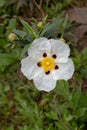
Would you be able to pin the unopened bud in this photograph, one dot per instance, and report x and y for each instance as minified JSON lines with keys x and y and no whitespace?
{"x":62,"y":39}
{"x":40,"y":24}
{"x":12,"y":37}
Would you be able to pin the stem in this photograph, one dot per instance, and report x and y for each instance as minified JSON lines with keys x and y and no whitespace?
{"x":47,"y":2}
{"x":41,"y":2}
{"x":39,"y":7}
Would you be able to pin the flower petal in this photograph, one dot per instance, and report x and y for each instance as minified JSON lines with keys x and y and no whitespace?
{"x":29,"y":68}
{"x":65,"y":71}
{"x":62,"y":60}
{"x":38,"y":47}
{"x":45,"y":83}
{"x":59,"y":48}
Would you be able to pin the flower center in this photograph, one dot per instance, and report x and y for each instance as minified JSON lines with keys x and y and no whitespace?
{"x":48,"y":63}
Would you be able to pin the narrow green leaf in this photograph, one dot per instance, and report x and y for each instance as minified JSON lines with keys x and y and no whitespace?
{"x":75,"y":98}
{"x":28,"y":28}
{"x":81,"y":111}
{"x":23,"y":35}
{"x":50,"y":28}
{"x":24,"y":50}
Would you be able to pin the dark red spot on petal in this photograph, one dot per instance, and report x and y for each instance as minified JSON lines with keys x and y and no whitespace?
{"x":56,"y":67}
{"x":44,"y":55}
{"x":48,"y":72}
{"x":39,"y":64}
{"x":54,"y":56}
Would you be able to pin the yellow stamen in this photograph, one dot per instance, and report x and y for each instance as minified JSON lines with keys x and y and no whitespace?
{"x":48,"y":63}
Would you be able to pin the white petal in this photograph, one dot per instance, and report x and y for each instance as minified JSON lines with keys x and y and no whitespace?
{"x":62,"y":60}
{"x":65,"y":71}
{"x":45,"y":83}
{"x":29,"y":68}
{"x":41,"y":43}
{"x":59,"y":48}
{"x":38,"y":47}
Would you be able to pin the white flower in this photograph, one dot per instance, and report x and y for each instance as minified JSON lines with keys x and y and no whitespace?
{"x":47,"y":61}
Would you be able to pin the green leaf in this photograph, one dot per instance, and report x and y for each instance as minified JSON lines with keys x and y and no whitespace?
{"x":23,"y":35}
{"x":2,"y":2}
{"x":28,"y":28}
{"x":84,"y":52}
{"x":81,"y":111}
{"x":69,"y":118}
{"x":83,"y":100}
{"x":50,"y":28}
{"x":3,"y":43}
{"x":19,"y":33}
{"x":7,"y":59}
{"x":2,"y":68}
{"x":75,"y":98}
{"x":24,"y":50}
{"x":52,"y":115}
{"x":6,"y":88}
{"x":65,"y":22}
{"x":12,"y":23}
{"x":62,"y":88}
{"x":60,"y":124}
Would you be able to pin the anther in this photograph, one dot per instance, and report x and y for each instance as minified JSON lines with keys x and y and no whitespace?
{"x":54,"y":56}
{"x":48,"y":72}
{"x":56,"y":67}
{"x":39,"y":64}
{"x":44,"y":55}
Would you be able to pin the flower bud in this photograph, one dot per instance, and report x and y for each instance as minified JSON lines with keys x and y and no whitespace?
{"x":62,"y":39}
{"x":40,"y":24}
{"x":12,"y":37}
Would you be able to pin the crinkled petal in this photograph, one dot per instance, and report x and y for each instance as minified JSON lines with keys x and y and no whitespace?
{"x":38,"y":47}
{"x":41,"y":44}
{"x":45,"y":83}
{"x":59,"y":48}
{"x":29,"y":68}
{"x":65,"y":71}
